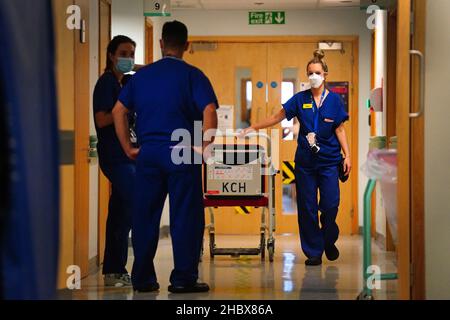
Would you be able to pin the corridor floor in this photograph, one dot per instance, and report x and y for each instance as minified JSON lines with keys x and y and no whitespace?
{"x":247,"y":278}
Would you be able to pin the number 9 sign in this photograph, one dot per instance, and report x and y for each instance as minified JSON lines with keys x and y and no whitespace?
{"x":157,"y":8}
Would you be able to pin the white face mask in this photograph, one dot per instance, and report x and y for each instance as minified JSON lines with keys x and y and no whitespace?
{"x":316,"y":80}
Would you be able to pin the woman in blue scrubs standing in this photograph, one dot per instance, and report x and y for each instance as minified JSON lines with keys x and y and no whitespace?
{"x":114,"y":163}
{"x":322,"y":137}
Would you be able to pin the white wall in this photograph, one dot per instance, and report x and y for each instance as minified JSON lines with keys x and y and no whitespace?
{"x":93,"y":167}
{"x":127,"y":17}
{"x":380,"y":82}
{"x":437,"y":151}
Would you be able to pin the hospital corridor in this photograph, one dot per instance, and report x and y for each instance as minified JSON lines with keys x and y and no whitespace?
{"x":248,"y":155}
{"x":247,"y":278}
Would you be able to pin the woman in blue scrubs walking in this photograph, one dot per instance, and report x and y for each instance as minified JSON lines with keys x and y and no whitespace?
{"x":114,"y":163}
{"x":322,"y":137}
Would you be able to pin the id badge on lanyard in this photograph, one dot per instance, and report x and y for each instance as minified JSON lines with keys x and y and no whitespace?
{"x":312,"y":136}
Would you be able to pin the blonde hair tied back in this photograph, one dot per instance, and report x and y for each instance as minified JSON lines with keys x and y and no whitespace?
{"x":318,"y":59}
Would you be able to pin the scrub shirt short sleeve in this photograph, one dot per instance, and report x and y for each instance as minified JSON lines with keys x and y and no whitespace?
{"x":202,"y":90}
{"x":341,"y":115}
{"x":105,"y":94}
{"x":290,"y":108}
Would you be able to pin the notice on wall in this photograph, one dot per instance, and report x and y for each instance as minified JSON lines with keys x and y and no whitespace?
{"x":225,"y":115}
{"x":304,"y":86}
{"x":342,"y":89}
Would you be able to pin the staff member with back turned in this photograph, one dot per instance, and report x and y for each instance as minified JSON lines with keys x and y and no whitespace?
{"x":166,"y":96}
{"x":321,"y":115}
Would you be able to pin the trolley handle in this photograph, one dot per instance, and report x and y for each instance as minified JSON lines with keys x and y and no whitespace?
{"x":248,"y":136}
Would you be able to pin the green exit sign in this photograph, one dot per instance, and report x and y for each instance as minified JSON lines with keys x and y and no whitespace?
{"x":268,"y":17}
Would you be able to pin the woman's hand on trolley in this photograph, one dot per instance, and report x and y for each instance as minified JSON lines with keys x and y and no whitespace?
{"x":245,"y":132}
{"x":267,"y":123}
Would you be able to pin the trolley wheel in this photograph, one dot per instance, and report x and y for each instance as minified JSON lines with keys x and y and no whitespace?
{"x":212,"y":245}
{"x":271,"y":249}
{"x":263,"y":246}
{"x":364,"y":296}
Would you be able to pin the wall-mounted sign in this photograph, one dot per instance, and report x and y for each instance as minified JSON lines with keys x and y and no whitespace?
{"x":304,"y":86}
{"x":225,"y":115}
{"x":342,"y":89}
{"x":268,"y":17}
{"x":157,"y":8}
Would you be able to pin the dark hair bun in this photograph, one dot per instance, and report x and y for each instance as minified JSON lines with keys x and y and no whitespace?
{"x":319,"y":54}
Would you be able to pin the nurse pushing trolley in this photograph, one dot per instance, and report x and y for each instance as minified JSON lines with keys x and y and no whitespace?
{"x":319,"y":163}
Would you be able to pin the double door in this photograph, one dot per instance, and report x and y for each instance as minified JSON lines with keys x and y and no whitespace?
{"x":254,"y":79}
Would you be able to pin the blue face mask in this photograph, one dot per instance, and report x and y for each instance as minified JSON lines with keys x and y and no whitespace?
{"x":125,"y":65}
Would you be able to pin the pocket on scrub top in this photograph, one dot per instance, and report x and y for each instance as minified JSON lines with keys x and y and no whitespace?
{"x":326,"y":127}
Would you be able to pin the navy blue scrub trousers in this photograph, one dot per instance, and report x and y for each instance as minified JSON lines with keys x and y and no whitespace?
{"x":118,"y":225}
{"x":157,"y":176}
{"x":316,"y":238}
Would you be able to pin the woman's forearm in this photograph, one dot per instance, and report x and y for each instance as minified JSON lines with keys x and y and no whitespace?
{"x":210,"y":123}
{"x":121,"y":126}
{"x":104,"y":119}
{"x":270,"y":122}
{"x":342,"y":137}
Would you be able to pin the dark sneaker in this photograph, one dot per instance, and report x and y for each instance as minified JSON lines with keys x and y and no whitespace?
{"x":198,"y":287}
{"x":315,"y":261}
{"x":151,"y":288}
{"x":117,"y":280}
{"x":332,"y":253}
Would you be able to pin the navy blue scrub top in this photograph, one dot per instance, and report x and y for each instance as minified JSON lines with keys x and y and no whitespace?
{"x":167,"y":95}
{"x":106,"y":93}
{"x":331,"y":115}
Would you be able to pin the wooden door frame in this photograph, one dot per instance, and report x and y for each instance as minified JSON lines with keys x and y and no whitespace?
{"x":418,"y":161}
{"x":64,"y":49}
{"x":355,"y":102}
{"x":101,"y":65}
{"x":391,"y":94}
{"x":403,"y":132}
{"x":410,"y":132}
{"x":149,"y":42}
{"x":82,"y":102}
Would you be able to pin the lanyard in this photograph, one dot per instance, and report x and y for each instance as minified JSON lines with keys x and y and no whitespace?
{"x":316,"y":109}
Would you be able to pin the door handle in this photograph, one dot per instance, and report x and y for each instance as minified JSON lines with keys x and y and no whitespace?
{"x":422,"y":84}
